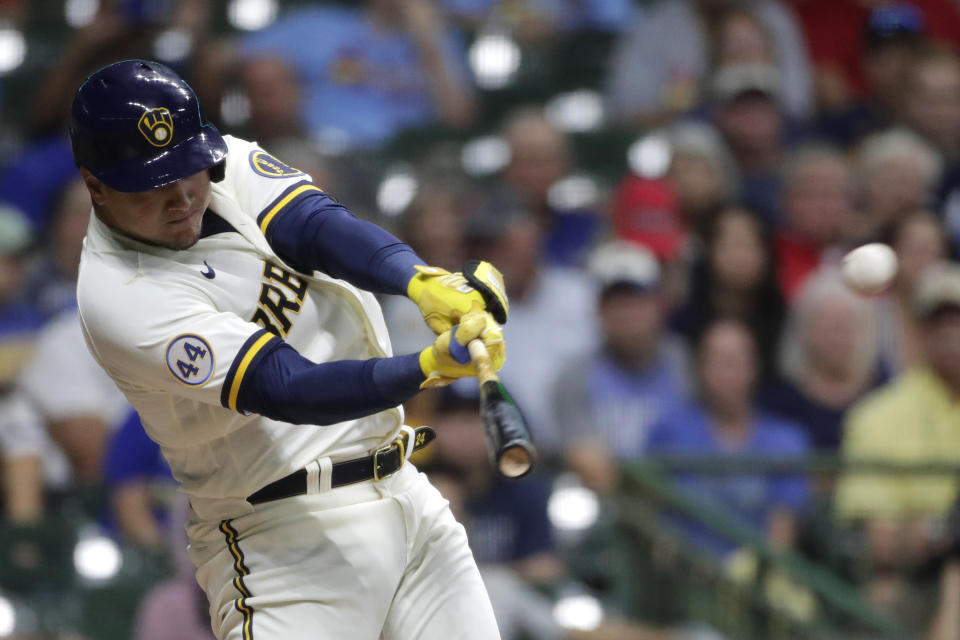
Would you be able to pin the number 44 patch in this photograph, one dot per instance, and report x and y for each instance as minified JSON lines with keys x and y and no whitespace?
{"x":190,"y":359}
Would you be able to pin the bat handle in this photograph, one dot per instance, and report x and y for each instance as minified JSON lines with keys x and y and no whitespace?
{"x":481,"y":361}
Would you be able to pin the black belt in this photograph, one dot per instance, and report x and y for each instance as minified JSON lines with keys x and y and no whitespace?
{"x":384,"y":462}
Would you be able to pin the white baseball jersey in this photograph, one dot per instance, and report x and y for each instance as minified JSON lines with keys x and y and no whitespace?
{"x":177,"y":331}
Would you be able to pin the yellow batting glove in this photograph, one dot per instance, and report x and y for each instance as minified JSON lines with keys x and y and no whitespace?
{"x":448,"y":358}
{"x":444,"y":297}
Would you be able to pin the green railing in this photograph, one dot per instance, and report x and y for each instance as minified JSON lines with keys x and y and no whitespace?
{"x":667,"y":573}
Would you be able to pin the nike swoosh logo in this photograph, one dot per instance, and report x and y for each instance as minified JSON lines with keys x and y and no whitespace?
{"x":208,"y":272}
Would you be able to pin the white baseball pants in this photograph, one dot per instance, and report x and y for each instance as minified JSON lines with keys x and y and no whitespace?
{"x":374,"y":560}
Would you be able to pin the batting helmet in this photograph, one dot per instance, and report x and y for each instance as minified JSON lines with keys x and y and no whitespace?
{"x":136,"y":125}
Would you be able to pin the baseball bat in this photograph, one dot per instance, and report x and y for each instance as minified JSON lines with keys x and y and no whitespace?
{"x":508,"y":440}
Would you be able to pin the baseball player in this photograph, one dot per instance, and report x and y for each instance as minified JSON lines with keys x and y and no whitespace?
{"x":229,"y":299}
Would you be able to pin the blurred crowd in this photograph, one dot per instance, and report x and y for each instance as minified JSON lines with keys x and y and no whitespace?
{"x":668,"y":187}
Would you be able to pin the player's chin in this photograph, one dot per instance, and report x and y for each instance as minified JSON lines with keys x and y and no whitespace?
{"x":183,"y":233}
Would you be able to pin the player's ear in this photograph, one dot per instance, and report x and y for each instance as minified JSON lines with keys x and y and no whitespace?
{"x":94,"y":186}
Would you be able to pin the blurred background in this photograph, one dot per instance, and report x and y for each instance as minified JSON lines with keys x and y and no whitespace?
{"x":733,"y":445}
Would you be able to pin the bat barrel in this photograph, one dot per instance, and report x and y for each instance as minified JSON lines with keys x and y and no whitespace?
{"x":516,"y":460}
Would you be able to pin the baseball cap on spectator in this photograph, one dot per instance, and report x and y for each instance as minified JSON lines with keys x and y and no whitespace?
{"x":736,"y":80}
{"x":622,"y":264}
{"x":646,"y":211}
{"x":15,"y":235}
{"x":899,"y":22}
{"x":938,"y":289}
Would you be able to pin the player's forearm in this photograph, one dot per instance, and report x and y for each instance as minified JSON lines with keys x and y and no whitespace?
{"x":318,"y":233}
{"x":286,"y":386}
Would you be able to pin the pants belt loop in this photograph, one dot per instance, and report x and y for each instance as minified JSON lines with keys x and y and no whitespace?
{"x":313,"y":477}
{"x":326,"y":473}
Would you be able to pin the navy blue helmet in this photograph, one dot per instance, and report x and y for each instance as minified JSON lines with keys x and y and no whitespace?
{"x":136,"y":125}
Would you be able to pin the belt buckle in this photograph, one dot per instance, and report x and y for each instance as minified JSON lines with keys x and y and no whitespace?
{"x":397,"y":442}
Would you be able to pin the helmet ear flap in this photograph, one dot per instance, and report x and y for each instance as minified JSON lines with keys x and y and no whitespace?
{"x":218,"y":171}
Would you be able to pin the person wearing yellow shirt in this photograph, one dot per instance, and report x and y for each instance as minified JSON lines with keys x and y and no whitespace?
{"x":913,"y":420}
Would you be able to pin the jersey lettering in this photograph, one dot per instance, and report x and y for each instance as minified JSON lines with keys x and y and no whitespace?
{"x":277,"y":303}
{"x":297,"y":285}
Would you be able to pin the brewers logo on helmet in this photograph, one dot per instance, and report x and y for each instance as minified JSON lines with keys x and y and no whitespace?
{"x":156,"y":125}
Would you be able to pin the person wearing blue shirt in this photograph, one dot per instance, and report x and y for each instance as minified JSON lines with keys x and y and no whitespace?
{"x":371,"y":71}
{"x":725,"y":422}
{"x":607,"y":402}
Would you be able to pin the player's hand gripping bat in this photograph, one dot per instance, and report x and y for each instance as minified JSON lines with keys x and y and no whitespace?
{"x":508,"y":440}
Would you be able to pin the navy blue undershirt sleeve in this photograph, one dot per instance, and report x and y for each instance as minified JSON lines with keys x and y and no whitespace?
{"x":315,"y":232}
{"x":284,"y":385}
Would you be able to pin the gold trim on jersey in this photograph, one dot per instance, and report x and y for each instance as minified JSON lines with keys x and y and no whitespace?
{"x":284,"y":202}
{"x":242,"y":368}
{"x":240,"y":603}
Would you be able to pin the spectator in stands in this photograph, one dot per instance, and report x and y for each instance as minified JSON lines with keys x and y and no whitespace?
{"x":372,"y":70}
{"x":848,"y":39}
{"x":898,"y":173}
{"x":747,"y":111}
{"x":275,"y":94}
{"x":86,"y":405}
{"x":606,"y":402}
{"x":724,"y":421}
{"x":702,"y":172}
{"x":920,"y":242}
{"x":818,"y":214}
{"x":434,"y":225}
{"x":551,"y":312}
{"x":912,"y":420}
{"x":741,"y":38}
{"x":540,"y":157}
{"x":735,"y":278}
{"x":53,"y":276}
{"x":660,"y":64}
{"x":23,"y":445}
{"x":646,"y":211}
{"x":828,"y":359}
{"x":118,"y":30}
{"x":863,"y":92}
{"x":139,"y":484}
{"x":509,"y":531}
{"x":932,"y":97}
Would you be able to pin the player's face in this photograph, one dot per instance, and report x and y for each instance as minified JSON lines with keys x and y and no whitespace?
{"x":168,"y":216}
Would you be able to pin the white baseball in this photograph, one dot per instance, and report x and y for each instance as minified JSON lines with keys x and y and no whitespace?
{"x":869,"y":270}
